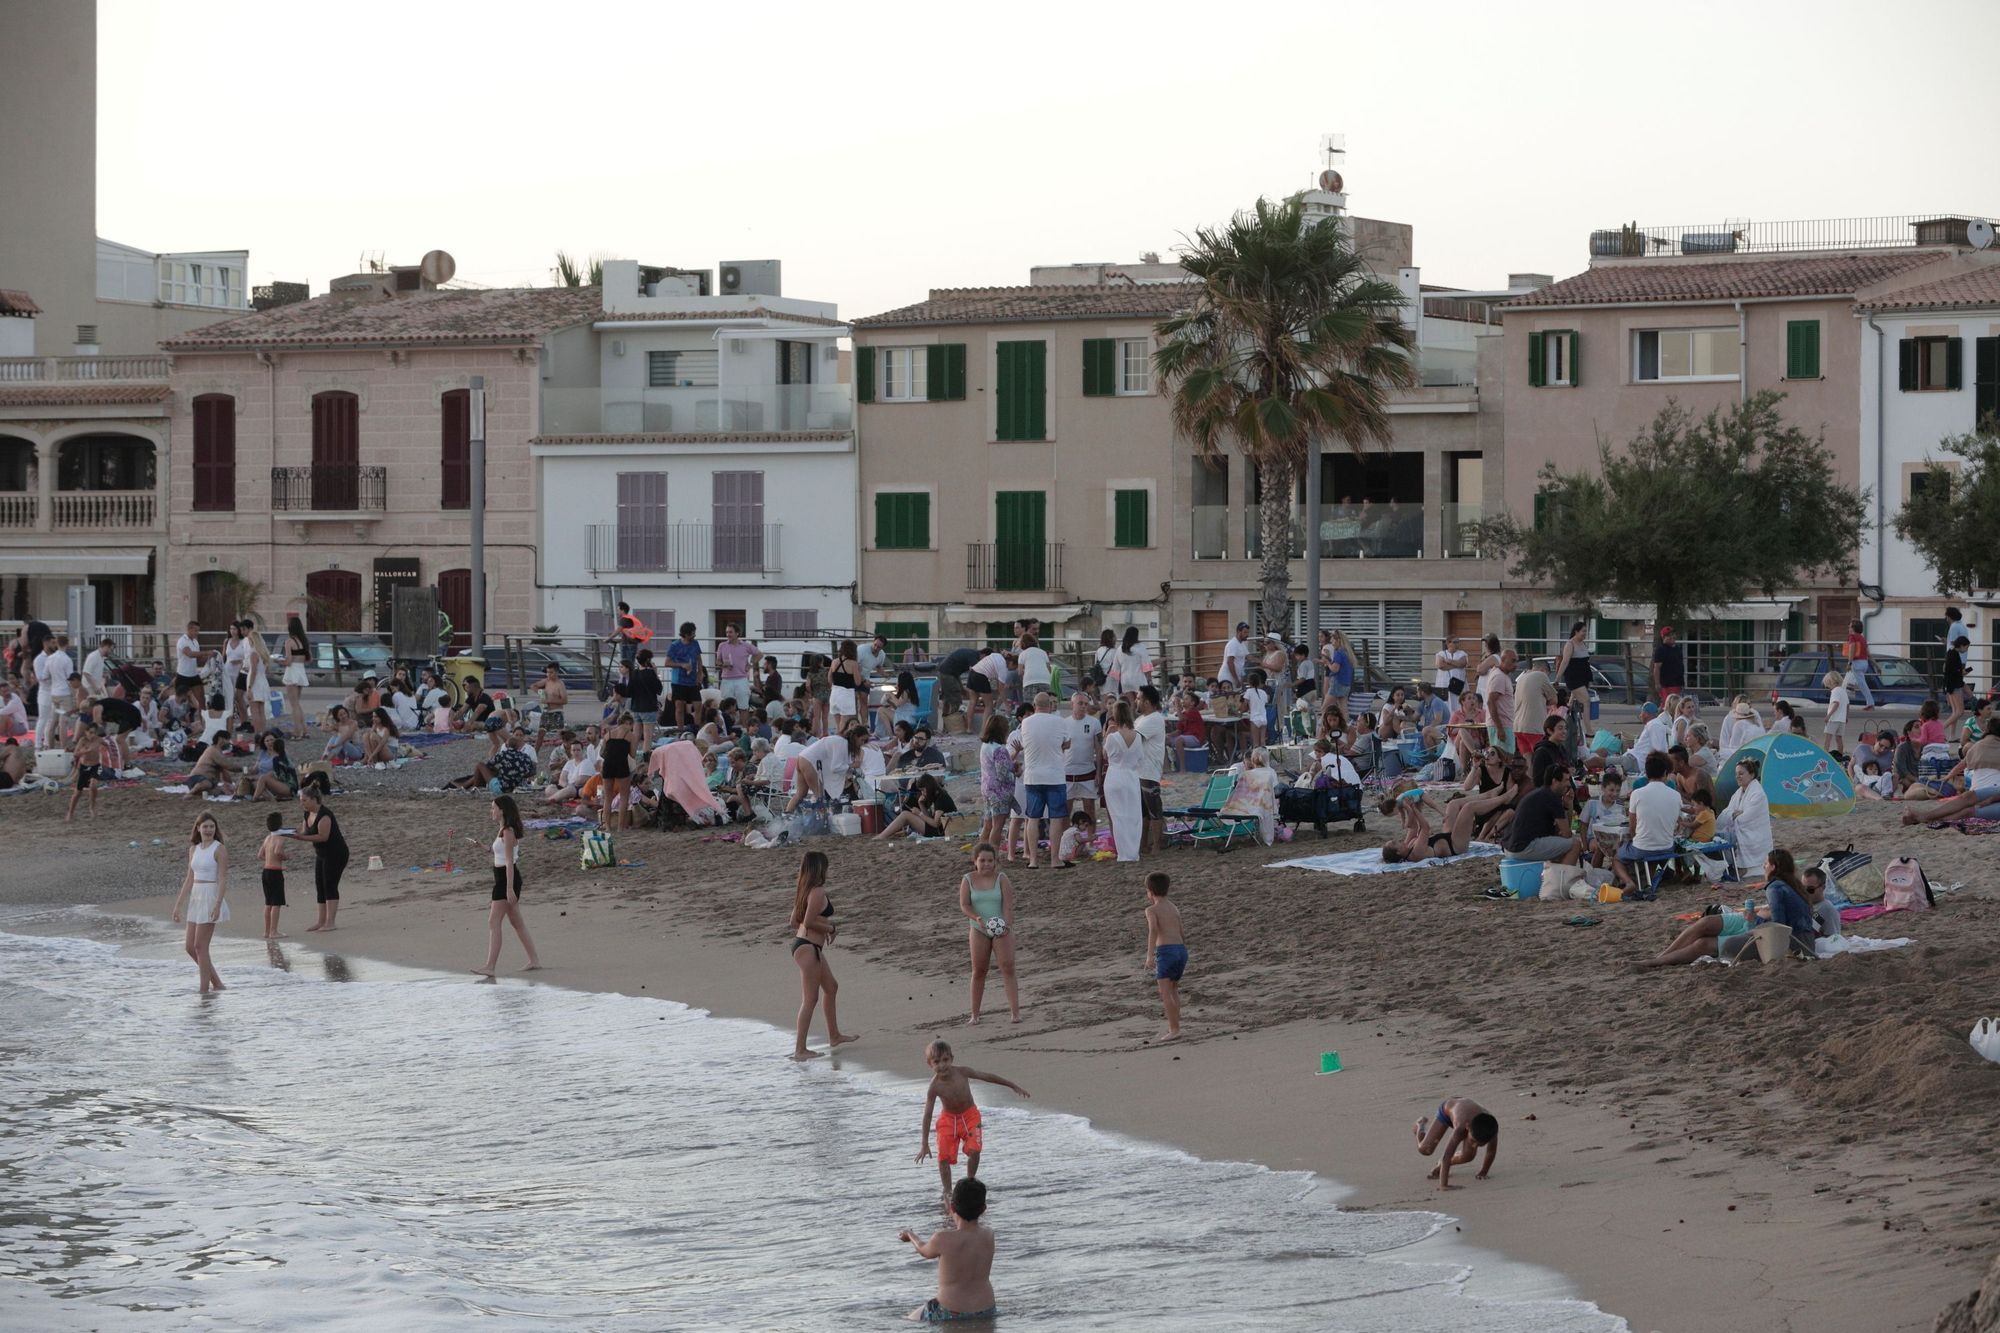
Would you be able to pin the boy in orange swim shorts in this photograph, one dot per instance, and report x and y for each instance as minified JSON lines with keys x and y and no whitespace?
{"x":958,"y":1123}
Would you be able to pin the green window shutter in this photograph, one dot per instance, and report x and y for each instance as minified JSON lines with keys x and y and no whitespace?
{"x":1098,"y":354}
{"x":1906,"y":364}
{"x":954,"y":371}
{"x":1535,"y":376}
{"x":864,"y":374}
{"x":1954,"y":363}
{"x":886,"y":521}
{"x":1036,"y":355}
{"x":1575,"y":365}
{"x":1007,"y":389}
{"x":902,"y":521}
{"x":902,"y":633}
{"x":1128,"y":528}
{"x":1528,"y":626}
{"x":1021,"y":413}
{"x":917,"y":520}
{"x":1985,"y":379}
{"x":1802,"y":349}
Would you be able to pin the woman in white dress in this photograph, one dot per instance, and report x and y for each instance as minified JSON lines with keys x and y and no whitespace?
{"x":1122,"y":754}
{"x":296,"y":653}
{"x":201,"y":901}
{"x":257,"y":668}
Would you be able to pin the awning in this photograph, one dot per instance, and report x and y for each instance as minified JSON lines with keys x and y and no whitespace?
{"x":986,"y":615}
{"x":1763,"y":608}
{"x":84,"y":560}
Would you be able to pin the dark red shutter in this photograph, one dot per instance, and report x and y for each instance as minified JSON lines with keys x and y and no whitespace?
{"x":336,"y":450}
{"x":456,"y":426}
{"x":214,"y":453}
{"x":335,"y":595}
{"x":455,"y":600}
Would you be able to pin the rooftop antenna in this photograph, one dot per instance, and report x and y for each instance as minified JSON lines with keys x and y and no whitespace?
{"x":1333,"y":160}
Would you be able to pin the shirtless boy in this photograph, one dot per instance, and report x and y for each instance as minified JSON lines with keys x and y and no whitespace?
{"x":958,"y":1124}
{"x":1464,"y":1126}
{"x":271,"y":855}
{"x":1166,"y":951}
{"x":965,"y":1261}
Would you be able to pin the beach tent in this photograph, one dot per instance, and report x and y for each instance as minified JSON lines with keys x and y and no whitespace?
{"x":1800,"y":780}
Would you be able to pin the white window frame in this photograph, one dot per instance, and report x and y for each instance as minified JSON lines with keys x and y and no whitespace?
{"x":902,"y":374}
{"x":1555,"y":357}
{"x":1728,"y":332}
{"x":1131,"y":384}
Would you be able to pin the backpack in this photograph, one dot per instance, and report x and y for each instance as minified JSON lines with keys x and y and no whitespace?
{"x":1905,"y":888}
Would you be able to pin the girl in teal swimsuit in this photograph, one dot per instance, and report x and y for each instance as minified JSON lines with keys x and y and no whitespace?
{"x":986,"y":896}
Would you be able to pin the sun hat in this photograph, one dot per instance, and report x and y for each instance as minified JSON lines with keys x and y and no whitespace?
{"x":1742,"y":710}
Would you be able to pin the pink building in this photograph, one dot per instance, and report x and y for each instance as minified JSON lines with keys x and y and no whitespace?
{"x":320,"y":450}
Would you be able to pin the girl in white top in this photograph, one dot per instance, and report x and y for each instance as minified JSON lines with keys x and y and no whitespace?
{"x":293,"y":653}
{"x":506,"y":906}
{"x":1036,"y":672}
{"x":1134,"y":661}
{"x":257,"y":666}
{"x":201,"y":902}
{"x":235,"y":659}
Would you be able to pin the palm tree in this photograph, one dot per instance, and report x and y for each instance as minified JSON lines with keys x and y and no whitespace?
{"x":568,"y":272}
{"x":1291,"y":340}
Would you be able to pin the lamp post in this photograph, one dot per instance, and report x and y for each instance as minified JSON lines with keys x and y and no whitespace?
{"x":478,"y":513}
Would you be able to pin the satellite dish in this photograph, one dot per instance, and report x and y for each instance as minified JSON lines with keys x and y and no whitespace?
{"x":1329,"y":180}
{"x":437,"y":268}
{"x":1979,"y":233}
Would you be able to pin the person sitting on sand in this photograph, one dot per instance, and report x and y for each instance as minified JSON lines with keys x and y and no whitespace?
{"x":1978,"y":773}
{"x":1420,"y":842}
{"x":578,"y":769}
{"x":925,"y":811}
{"x":1463,"y":1126}
{"x":1076,"y":841}
{"x":343,"y":744}
{"x":965,"y":1261}
{"x":212,"y":770}
{"x":958,"y":1122}
{"x":378,"y":743}
{"x":1540,"y":828}
{"x":1506,"y":799}
{"x":1726,"y":934}
{"x":1605,"y":818}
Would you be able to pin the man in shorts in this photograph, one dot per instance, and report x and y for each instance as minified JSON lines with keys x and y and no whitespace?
{"x":188,"y":657}
{"x":1044,"y":741}
{"x":1152,"y":729}
{"x":684,"y":676}
{"x":734,"y":657}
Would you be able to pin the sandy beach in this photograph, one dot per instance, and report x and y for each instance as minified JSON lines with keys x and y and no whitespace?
{"x":1794,"y":1146}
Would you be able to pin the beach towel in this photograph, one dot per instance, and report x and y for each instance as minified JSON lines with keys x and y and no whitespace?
{"x":1970,"y":824}
{"x":1849,"y":915}
{"x":678,"y":767}
{"x":568,"y":821}
{"x":1369,"y":861}
{"x":1855,"y":944}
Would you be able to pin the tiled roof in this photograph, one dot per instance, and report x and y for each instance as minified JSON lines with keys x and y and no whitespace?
{"x":755,"y":312}
{"x":1621,"y":281}
{"x":14,"y":302}
{"x":1004,"y":305}
{"x":1970,"y":288}
{"x":505,"y":315}
{"x":71,"y":394}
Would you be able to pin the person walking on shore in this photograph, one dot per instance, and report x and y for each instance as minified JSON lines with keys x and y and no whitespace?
{"x":506,"y":888}
{"x":322,"y":830}
{"x":202,"y":901}
{"x":986,"y":899}
{"x":812,"y":934}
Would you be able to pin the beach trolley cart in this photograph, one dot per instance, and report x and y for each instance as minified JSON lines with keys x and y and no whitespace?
{"x":1333,"y":803}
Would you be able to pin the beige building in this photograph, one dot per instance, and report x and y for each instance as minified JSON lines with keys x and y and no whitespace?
{"x":1704,"y":318}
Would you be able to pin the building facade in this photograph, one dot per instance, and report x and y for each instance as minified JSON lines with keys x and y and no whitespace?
{"x":695,"y":453}
{"x":321,"y":453}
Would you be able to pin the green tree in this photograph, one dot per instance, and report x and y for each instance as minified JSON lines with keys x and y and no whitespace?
{"x":1291,"y":340}
{"x":1954,"y":522}
{"x":573,"y":272}
{"x":1694,"y":512}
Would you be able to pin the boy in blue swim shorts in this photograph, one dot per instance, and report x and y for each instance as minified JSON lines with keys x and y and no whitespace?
{"x":1166,"y":950}
{"x":965,"y":1261}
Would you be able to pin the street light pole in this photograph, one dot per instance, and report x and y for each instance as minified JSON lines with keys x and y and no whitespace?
{"x":478,"y":514}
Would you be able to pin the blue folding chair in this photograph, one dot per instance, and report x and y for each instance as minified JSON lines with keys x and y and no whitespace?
{"x":1649,"y":866}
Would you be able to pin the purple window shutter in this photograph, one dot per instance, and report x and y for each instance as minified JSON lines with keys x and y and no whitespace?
{"x":642,"y":521}
{"x":739,"y":521}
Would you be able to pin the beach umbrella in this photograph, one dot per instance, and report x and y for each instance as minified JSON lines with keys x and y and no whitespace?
{"x":1800,"y":780}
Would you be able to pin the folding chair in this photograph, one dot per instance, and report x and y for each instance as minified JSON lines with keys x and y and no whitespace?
{"x":1650,"y":867}
{"x":1213,"y":797}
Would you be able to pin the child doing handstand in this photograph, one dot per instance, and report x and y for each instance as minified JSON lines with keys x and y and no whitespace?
{"x":1464,"y":1126}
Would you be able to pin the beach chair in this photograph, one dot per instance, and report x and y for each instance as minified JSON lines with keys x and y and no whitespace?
{"x":1213,"y":798}
{"x":1221,"y":831}
{"x":1651,"y":868}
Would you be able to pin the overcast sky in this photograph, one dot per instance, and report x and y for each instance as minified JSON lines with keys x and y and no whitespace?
{"x":884,"y":148}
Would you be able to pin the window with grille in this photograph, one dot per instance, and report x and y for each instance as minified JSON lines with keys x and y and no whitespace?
{"x":678,"y":370}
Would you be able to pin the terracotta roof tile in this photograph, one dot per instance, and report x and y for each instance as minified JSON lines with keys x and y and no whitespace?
{"x":1976,"y":286}
{"x":1621,"y":281}
{"x":1005,"y":305}
{"x":755,"y":312}
{"x":13,"y":302}
{"x":505,"y":315}
{"x":67,"y":394}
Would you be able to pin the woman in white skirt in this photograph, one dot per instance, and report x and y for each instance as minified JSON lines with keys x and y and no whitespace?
{"x":843,"y":704}
{"x":257,"y":673}
{"x":201,"y":901}
{"x":296,"y":654}
{"x":1122,"y":754}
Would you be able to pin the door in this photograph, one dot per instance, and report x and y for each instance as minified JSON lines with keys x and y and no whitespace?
{"x":334,"y":600}
{"x":1019,"y":536}
{"x":391,"y":573}
{"x":1835,"y":615}
{"x":738,"y":499}
{"x":214,"y":607}
{"x":1210,"y":629}
{"x":726,"y":616}
{"x":1467,"y":626}
{"x":455,"y":600}
{"x":336,"y":451}
{"x":642,"y":522}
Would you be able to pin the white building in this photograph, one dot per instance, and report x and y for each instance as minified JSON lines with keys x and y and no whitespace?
{"x":1930,"y":371}
{"x":697,"y":458}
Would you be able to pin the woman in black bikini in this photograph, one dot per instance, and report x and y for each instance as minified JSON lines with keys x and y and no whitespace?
{"x":616,"y":770}
{"x":812,"y":931}
{"x":322,"y":830}
{"x":1419,"y":842}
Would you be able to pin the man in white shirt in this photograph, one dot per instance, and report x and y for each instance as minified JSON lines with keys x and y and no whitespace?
{"x":1152,"y":729}
{"x":61,"y":701}
{"x":1044,"y":771}
{"x":94,"y":667}
{"x":1236,"y":656}
{"x":188,"y":657}
{"x":1081,"y":763}
{"x":1655,"y":811}
{"x":874,"y":656}
{"x":1036,"y":672}
{"x":38,"y":671}
{"x":1657,"y":735}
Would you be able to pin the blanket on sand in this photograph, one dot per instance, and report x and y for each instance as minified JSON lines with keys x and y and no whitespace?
{"x":1369,"y":861}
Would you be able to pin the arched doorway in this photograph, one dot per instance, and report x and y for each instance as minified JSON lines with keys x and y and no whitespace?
{"x":333,"y":600}
{"x":105,"y":480}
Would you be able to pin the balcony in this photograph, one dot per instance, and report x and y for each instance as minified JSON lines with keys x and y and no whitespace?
{"x":1461,"y":531}
{"x":1743,"y":237}
{"x":768,"y":409}
{"x":1211,"y":532}
{"x":18,"y":511}
{"x":71,"y":369}
{"x":330,"y":488}
{"x":685,"y":548}
{"x":1371,"y":530}
{"x":99,"y":509}
{"x":1013,"y":567}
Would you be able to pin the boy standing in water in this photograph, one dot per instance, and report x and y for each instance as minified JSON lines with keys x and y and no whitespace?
{"x":272,"y":855}
{"x":958,"y":1124}
{"x":1470,"y":1127}
{"x":965,"y":1261}
{"x":1166,"y":952}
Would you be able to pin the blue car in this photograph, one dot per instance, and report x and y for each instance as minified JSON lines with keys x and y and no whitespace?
{"x":1892,"y":680}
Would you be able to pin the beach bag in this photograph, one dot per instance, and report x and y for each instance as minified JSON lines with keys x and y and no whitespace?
{"x":1773,"y":941}
{"x":598,"y":851}
{"x":1905,"y":888}
{"x":1851,"y":877}
{"x":1986,"y":1038}
{"x":1556,"y":880}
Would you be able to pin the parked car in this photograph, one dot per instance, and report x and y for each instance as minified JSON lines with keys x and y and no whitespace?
{"x":1892,"y":680}
{"x":574,"y":666}
{"x":357,"y":655}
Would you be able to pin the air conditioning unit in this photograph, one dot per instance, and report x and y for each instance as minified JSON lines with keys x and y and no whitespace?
{"x":750,"y":277}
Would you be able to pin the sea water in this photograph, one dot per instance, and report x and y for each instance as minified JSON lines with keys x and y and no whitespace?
{"x":341,"y":1144}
